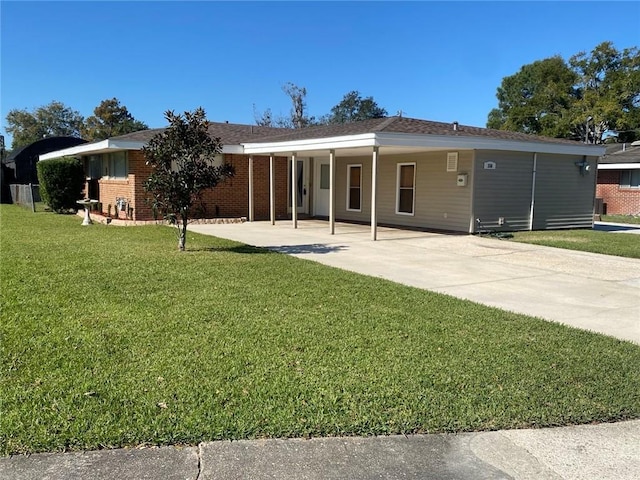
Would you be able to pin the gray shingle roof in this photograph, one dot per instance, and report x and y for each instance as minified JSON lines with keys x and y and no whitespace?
{"x":234,"y":134}
{"x":630,"y":154}
{"x":408,"y":126}
{"x":229,"y":133}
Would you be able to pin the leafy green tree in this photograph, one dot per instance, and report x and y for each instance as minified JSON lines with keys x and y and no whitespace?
{"x":353,"y":108}
{"x":52,"y":120}
{"x":61,"y":182}
{"x":110,"y":119}
{"x":583,"y":99}
{"x":608,"y":91}
{"x":182,"y":158}
{"x":536,"y":99}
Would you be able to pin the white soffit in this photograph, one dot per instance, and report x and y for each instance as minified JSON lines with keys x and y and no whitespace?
{"x":421,"y":141}
{"x":93,"y":148}
{"x":618,"y":166}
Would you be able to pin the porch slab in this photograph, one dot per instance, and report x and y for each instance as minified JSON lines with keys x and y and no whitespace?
{"x":590,"y":291}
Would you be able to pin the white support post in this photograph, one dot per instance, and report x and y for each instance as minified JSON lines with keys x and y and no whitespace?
{"x":272,"y":191}
{"x":294,"y":191}
{"x":251,"y":188}
{"x":374,"y":188}
{"x":332,"y":196}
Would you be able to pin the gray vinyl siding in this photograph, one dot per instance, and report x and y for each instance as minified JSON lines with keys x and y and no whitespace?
{"x":564,"y":197}
{"x":439,"y":202}
{"x":504,"y":192}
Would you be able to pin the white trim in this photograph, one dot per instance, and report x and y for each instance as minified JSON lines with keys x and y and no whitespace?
{"x":618,"y":166}
{"x":382,"y":139}
{"x":347,"y":141}
{"x":349,"y":167}
{"x":93,"y":148}
{"x":413,"y":205}
{"x":110,"y":145}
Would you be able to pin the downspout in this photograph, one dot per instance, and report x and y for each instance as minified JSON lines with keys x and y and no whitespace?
{"x":595,"y":190}
{"x":533,"y":189}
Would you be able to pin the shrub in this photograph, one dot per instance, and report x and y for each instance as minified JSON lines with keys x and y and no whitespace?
{"x":61,"y":182}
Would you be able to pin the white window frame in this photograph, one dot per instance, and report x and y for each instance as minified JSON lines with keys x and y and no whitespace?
{"x":413,"y":188}
{"x":349,"y":167}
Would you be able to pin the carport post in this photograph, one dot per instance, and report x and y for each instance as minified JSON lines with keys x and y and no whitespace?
{"x":251,"y":188}
{"x":332,"y":179}
{"x":374,"y":188}
{"x":294,"y":191}
{"x":272,"y":192}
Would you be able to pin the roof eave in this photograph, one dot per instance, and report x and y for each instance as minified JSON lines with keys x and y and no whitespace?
{"x":108,"y":145}
{"x":382,"y":139}
{"x":618,"y":166}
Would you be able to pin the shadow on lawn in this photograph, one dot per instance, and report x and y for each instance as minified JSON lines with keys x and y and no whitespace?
{"x":317,"y":248}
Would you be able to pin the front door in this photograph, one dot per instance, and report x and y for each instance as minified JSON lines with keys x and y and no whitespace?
{"x":302,"y":185}
{"x":321,"y":190}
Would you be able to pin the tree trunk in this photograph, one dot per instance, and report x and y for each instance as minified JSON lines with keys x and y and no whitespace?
{"x":182,"y":238}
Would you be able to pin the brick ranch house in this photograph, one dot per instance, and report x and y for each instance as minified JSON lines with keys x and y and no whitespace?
{"x":618,"y":186}
{"x":394,"y":171}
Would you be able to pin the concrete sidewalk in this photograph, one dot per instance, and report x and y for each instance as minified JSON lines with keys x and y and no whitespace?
{"x":605,"y":451}
{"x":595,"y":292}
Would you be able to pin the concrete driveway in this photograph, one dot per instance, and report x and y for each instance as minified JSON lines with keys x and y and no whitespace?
{"x":584,"y":290}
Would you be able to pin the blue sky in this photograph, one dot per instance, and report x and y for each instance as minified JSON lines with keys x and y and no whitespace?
{"x":433,"y":60}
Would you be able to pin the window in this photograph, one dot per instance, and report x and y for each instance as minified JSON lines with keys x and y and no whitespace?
{"x":117,"y":165}
{"x":630,"y":178}
{"x":406,"y":188}
{"x":324,"y":176}
{"x":354,"y":188}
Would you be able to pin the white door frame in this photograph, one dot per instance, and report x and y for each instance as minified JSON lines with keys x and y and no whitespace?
{"x":302,"y":196}
{"x":321,"y":204}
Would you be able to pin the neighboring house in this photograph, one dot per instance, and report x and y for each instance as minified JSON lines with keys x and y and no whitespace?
{"x":393,"y":171}
{"x":619,"y":179}
{"x":19,"y":168}
{"x":21,"y":163}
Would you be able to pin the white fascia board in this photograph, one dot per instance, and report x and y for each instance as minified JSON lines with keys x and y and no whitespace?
{"x":618,"y":166}
{"x":481,"y":143}
{"x":93,"y":148}
{"x":110,"y":145}
{"x":427,"y":141}
{"x":235,"y":149}
{"x":330,"y":143}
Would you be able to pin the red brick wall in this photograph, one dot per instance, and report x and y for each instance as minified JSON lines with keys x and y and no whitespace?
{"x":230,"y":197}
{"x":618,"y":200}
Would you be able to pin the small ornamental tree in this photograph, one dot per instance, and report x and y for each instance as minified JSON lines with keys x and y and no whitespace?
{"x":61,"y":182}
{"x":182,"y":159}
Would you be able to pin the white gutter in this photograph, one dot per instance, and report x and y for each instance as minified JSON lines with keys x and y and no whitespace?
{"x":92,"y":148}
{"x":618,"y":166}
{"x":110,"y":145}
{"x":425,"y":140}
{"x":329,"y":143}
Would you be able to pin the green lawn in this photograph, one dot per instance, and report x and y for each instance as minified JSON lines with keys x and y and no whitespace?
{"x":110,"y":337}
{"x":618,"y":244}
{"x":632,"y":219}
